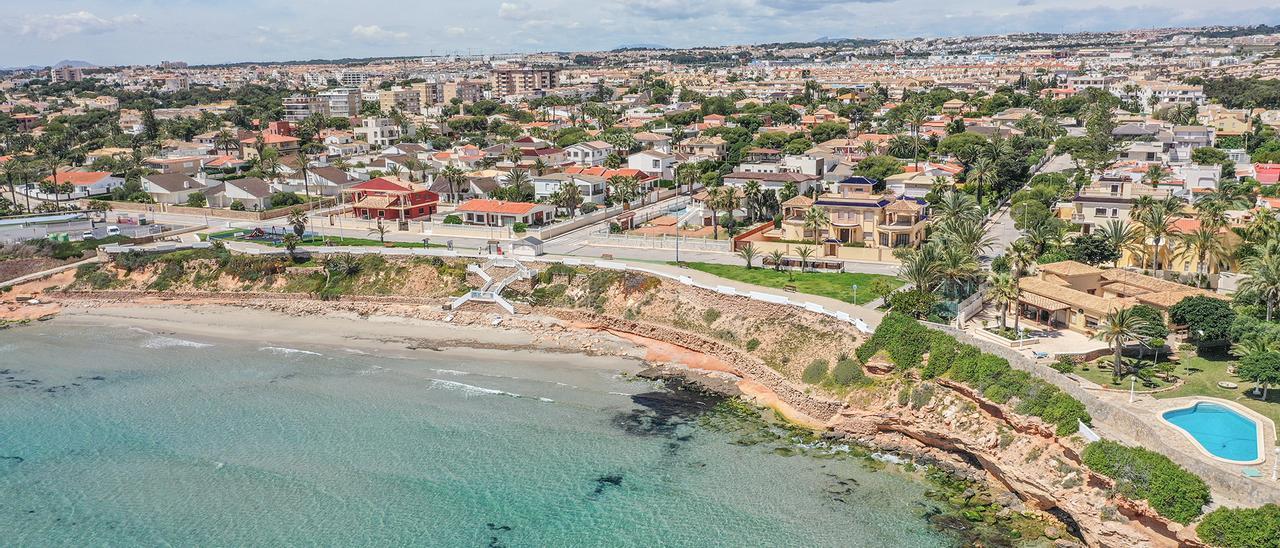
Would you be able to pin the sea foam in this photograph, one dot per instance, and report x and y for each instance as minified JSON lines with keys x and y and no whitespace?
{"x":172,"y":342}
{"x":287,"y":351}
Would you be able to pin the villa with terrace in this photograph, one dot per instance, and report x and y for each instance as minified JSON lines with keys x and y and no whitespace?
{"x":1077,"y":297}
{"x":857,"y":216}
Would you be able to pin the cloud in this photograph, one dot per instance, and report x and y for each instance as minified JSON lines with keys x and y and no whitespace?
{"x":55,"y":26}
{"x":374,"y":34}
{"x":455,"y":31}
{"x":510,"y":11}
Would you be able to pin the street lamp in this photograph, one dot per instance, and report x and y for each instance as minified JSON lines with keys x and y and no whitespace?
{"x":855,"y":293}
{"x":1133,"y":380}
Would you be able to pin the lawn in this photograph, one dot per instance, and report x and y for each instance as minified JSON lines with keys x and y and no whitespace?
{"x":313,"y":241}
{"x":1202,"y":372}
{"x":836,"y":285}
{"x":1099,"y":372}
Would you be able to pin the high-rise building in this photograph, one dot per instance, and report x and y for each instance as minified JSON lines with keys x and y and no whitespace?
{"x":430,"y":93}
{"x":66,"y":74}
{"x":353,"y":79}
{"x":341,"y":102}
{"x":520,"y":80}
{"x":298,"y":107}
{"x":469,"y":91}
{"x":408,"y":101}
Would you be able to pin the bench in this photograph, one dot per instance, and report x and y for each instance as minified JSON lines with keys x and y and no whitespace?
{"x":789,"y":288}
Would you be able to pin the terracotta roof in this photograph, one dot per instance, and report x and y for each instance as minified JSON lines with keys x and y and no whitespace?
{"x":1072,"y":297}
{"x":799,"y":201}
{"x":80,"y":178}
{"x":496,"y":206}
{"x":1069,"y":268}
{"x":1042,"y":302}
{"x":374,"y":202}
{"x":1142,"y":280}
{"x":172,"y":182}
{"x":904,"y":206}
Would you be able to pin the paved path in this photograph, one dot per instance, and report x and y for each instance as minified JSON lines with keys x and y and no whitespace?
{"x":1004,"y":229}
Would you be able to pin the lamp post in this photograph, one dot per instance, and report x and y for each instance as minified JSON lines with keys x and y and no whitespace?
{"x":855,"y":293}
{"x":1133,"y":380}
{"x":677,"y":245}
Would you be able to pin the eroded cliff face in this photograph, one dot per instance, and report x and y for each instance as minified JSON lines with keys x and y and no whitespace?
{"x":947,"y":424}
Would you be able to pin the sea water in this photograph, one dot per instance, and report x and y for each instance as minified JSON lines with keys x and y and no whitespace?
{"x":118,"y":436}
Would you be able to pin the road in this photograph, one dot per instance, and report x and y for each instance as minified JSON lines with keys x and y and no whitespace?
{"x":1004,"y":229}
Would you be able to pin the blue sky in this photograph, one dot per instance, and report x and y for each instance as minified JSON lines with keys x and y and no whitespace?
{"x":211,"y":31}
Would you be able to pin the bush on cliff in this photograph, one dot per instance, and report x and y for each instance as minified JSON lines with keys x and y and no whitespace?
{"x":906,"y":341}
{"x":1242,"y":528}
{"x":1139,"y":473}
{"x":848,"y":372}
{"x":815,"y":372}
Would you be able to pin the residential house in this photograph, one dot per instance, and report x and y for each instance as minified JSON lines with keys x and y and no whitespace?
{"x":284,"y":144}
{"x":1186,"y":139}
{"x":653,"y":141}
{"x":253,"y":193}
{"x":390,"y":198}
{"x":171,"y":188}
{"x":592,"y":188}
{"x":706,"y":147}
{"x":501,"y":213}
{"x":661,"y":165}
{"x":378,"y":132}
{"x":773,"y":181}
{"x":1109,"y":198}
{"x":189,"y":165}
{"x":1267,"y":174}
{"x":588,"y":153}
{"x":857,"y":215}
{"x":1078,"y":297}
{"x":86,"y":183}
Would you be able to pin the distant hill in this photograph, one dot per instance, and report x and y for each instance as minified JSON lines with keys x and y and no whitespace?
{"x":640,"y":46}
{"x":827,"y":40}
{"x":73,"y":63}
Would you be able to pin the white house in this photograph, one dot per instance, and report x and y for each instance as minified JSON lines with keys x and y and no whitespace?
{"x":592,"y":187}
{"x":588,"y":153}
{"x":253,"y":192}
{"x":379,"y":132}
{"x":90,"y":183}
{"x":654,"y":163}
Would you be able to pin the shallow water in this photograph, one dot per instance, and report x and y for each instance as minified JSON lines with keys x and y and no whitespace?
{"x":111,"y":435}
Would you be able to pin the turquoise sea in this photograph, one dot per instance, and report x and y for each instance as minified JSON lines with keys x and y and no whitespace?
{"x":117,"y":436}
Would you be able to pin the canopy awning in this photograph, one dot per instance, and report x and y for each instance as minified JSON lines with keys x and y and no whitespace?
{"x":1043,"y":303}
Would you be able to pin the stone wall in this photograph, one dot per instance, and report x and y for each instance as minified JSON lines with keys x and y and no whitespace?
{"x":816,"y":407}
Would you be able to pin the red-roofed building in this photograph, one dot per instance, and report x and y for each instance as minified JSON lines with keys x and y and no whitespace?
{"x":607,"y":173}
{"x":391,"y":198}
{"x":1267,"y":174}
{"x":86,"y":183}
{"x":282,"y":143}
{"x":503,"y":213}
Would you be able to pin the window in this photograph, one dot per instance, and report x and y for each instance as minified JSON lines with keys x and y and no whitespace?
{"x":1090,"y":322}
{"x":1100,"y":212}
{"x":1115,"y":212}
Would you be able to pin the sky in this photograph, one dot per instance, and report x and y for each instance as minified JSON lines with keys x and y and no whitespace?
{"x":113,"y":32}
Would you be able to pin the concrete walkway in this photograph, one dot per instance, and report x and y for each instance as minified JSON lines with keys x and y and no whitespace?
{"x":46,"y":273}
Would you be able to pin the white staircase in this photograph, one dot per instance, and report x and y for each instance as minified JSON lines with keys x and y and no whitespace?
{"x":492,"y":290}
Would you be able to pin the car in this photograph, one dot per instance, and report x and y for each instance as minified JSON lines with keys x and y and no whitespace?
{"x":113,"y":231}
{"x":87,"y":235}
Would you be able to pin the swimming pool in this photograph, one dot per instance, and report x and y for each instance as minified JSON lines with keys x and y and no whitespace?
{"x":1221,"y":431}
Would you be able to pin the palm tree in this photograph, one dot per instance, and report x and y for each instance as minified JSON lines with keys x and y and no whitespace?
{"x":291,"y":242}
{"x":1044,"y":235}
{"x":1156,"y":229}
{"x":916,"y":117}
{"x":453,"y":176}
{"x":1264,"y":276}
{"x":777,"y":256}
{"x":226,"y":141}
{"x":539,"y":166}
{"x":984,"y":170}
{"x":957,"y":268}
{"x":804,"y":252}
{"x":920,"y":267}
{"x":967,"y":234}
{"x":298,"y":220}
{"x":955,"y":206}
{"x":625,"y":188}
{"x":1154,"y":175}
{"x":569,"y":197}
{"x":1005,"y":293}
{"x":1021,"y":254}
{"x":748,"y":254}
{"x":751,"y":197}
{"x":1121,"y":234}
{"x":1205,"y":246}
{"x":1120,"y":328}
{"x":816,"y":219}
{"x":517,"y":177}
{"x":381,"y":231}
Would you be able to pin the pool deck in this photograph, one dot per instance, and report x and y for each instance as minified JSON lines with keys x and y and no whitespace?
{"x":1183,"y":442}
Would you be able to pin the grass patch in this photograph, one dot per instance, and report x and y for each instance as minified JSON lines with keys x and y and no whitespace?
{"x":1203,"y":371}
{"x":331,"y":240}
{"x":835,"y":285}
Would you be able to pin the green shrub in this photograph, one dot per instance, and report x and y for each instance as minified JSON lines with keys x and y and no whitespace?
{"x":283,"y":199}
{"x":519,"y":228}
{"x":1242,"y":528}
{"x":921,"y":395}
{"x":452,"y":220}
{"x":1142,"y":474}
{"x":1065,"y":364}
{"x":848,"y":372}
{"x":237,"y":205}
{"x":710,"y":315}
{"x":815,"y":372}
{"x":752,"y":344}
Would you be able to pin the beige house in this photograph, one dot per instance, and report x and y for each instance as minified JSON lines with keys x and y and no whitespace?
{"x":709,"y":147}
{"x":1078,"y":297}
{"x":857,"y":216}
{"x":1108,"y":199}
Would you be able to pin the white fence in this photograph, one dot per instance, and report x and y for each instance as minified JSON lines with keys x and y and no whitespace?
{"x":604,"y":238}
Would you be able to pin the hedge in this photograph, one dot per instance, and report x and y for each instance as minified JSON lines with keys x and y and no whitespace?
{"x":1172,"y":491}
{"x":1242,"y":528}
{"x":906,"y":341}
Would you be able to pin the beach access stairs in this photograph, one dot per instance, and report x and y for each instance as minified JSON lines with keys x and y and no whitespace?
{"x":491,"y":291}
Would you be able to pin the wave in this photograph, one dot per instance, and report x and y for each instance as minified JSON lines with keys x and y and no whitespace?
{"x":287,"y":351}
{"x":172,"y":342}
{"x":355,"y":351}
{"x":453,"y":372}
{"x":7,"y":348}
{"x":621,"y":394}
{"x":470,"y":389}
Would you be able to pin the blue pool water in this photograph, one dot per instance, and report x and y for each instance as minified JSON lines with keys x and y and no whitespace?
{"x":1222,"y":432}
